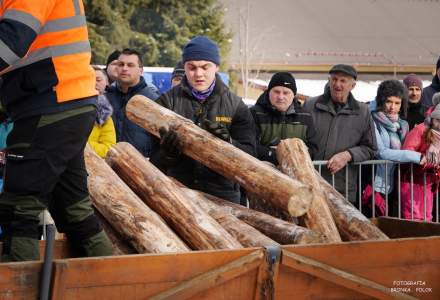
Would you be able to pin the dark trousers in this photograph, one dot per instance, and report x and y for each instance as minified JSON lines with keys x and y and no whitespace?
{"x":45,"y":169}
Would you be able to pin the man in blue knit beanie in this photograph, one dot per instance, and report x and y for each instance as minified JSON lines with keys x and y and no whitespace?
{"x":203,"y":98}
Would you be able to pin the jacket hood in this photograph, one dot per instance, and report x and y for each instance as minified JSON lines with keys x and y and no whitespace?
{"x":104,"y":110}
{"x":264,"y":102}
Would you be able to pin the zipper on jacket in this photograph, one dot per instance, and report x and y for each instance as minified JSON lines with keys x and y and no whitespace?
{"x":124,"y":98}
{"x":200,"y":114}
{"x":283,"y":125}
{"x":330,"y":128}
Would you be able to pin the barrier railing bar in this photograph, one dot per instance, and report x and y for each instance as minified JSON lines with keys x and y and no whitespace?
{"x":386,"y":189}
{"x":399,"y":199}
{"x":435,"y":212}
{"x":373,"y":214}
{"x":424,"y":196}
{"x":412,"y":193}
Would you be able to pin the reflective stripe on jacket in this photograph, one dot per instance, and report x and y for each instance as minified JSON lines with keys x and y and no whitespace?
{"x":44,"y":38}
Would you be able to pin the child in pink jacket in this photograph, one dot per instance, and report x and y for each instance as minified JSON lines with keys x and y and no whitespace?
{"x":424,"y":138}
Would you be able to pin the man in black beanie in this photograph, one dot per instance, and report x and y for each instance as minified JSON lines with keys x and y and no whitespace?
{"x":277,"y":117}
{"x":203,"y":98}
{"x":430,"y":90}
{"x":111,"y":66}
{"x":178,"y":74}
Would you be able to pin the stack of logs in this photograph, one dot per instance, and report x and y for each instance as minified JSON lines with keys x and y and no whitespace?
{"x":144,"y":211}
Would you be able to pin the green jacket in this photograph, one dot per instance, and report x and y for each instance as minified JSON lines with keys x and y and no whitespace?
{"x":273,"y":126}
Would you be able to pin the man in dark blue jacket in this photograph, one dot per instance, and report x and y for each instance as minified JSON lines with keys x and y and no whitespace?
{"x":129,"y":83}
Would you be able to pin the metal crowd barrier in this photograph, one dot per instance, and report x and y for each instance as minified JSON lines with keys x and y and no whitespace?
{"x":319,"y":164}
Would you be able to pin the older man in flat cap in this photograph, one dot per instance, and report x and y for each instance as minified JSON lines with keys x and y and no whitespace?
{"x":344,"y":128}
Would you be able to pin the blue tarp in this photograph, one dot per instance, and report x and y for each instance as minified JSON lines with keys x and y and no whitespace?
{"x":162,"y":80}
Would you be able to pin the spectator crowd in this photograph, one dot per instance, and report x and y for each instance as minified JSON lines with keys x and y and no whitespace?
{"x":53,"y":103}
{"x":401,"y":125}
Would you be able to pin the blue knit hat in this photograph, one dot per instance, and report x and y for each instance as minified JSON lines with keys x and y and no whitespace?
{"x":201,"y":48}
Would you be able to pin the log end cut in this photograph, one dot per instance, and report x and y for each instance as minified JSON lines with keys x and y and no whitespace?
{"x":309,"y":237}
{"x":300,"y":203}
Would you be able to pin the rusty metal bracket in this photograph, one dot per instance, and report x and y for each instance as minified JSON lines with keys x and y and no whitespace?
{"x":268,"y":273}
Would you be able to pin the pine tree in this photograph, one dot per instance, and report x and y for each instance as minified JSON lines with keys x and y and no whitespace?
{"x":157,"y":29}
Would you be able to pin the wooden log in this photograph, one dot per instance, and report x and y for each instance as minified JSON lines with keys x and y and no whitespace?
{"x":120,"y":246}
{"x":135,"y":221}
{"x":247,"y":235}
{"x":283,"y":232}
{"x":294,"y":160}
{"x":268,"y":208}
{"x":222,"y":157}
{"x":351,"y":223}
{"x":160,"y":193}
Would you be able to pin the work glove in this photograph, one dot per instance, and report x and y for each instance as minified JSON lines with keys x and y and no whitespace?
{"x":218,"y":129}
{"x":274,"y":143}
{"x":271,"y":151}
{"x":170,"y":145}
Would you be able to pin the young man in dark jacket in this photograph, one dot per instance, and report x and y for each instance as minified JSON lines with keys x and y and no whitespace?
{"x":203,"y":98}
{"x":130,"y":82}
{"x":345,"y":130}
{"x":277,"y":117}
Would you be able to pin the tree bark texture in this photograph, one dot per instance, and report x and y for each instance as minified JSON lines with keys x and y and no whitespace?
{"x":192,"y":223}
{"x":351,"y":223}
{"x":128,"y":215}
{"x":120,"y":246}
{"x":222,"y":157}
{"x":283,"y":232}
{"x":267,"y":207}
{"x":294,"y":160}
{"x":247,"y":235}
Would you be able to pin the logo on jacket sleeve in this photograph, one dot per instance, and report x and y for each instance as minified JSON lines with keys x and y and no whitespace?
{"x":223,"y":119}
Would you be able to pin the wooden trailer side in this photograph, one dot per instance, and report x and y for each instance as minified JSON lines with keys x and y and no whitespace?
{"x":399,"y":265}
{"x":226,"y":274}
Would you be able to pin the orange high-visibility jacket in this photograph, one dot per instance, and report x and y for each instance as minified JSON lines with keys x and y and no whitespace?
{"x":44,"y":55}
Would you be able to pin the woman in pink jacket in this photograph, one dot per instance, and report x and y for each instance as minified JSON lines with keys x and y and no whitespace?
{"x":424,"y":138}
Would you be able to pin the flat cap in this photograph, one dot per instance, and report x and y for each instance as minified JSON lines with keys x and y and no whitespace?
{"x":346,"y":69}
